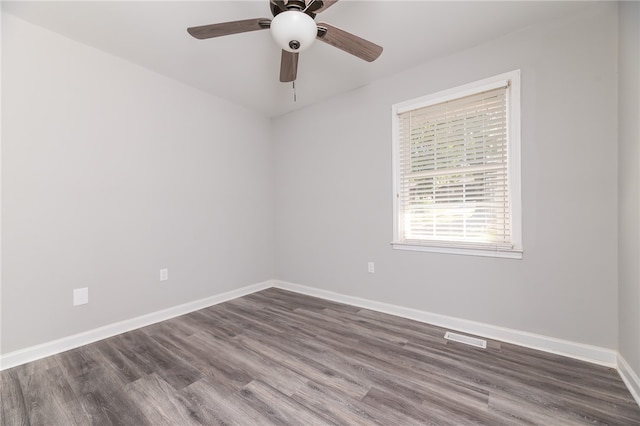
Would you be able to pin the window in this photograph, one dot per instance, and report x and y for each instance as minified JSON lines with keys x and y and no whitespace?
{"x":456,"y":157}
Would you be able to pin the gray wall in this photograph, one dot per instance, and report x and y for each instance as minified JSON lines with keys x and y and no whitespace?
{"x":629,"y":184}
{"x":111,"y":172}
{"x":334,"y":198}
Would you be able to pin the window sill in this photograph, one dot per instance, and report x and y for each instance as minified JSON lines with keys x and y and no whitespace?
{"x":507,"y":254}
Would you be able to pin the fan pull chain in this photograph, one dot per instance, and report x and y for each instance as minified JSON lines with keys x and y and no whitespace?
{"x":295,"y":97}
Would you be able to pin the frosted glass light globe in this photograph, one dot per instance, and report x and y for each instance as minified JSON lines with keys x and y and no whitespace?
{"x":293,"y":31}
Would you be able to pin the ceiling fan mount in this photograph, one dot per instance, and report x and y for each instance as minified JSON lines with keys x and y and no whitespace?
{"x":294,"y":29}
{"x":299,"y":5}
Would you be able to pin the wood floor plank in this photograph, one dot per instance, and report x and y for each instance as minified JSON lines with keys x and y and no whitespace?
{"x":333,"y":406}
{"x":280,"y":358}
{"x":260,"y":366}
{"x":159,"y":360}
{"x":530,"y":412}
{"x":49,"y":399}
{"x":216,"y":406}
{"x":276,"y":406}
{"x":14,"y":409}
{"x":110,"y":407}
{"x":27,"y":369}
{"x":397,"y":406}
{"x":193,"y":356}
{"x":160,"y":403}
{"x":175,"y":326}
{"x":124,"y":367}
{"x":308,"y":366}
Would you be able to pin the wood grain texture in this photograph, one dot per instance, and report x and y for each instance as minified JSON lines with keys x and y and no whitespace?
{"x":281,"y":358}
{"x":350,"y":43}
{"x":227,"y":28}
{"x":288,"y":66}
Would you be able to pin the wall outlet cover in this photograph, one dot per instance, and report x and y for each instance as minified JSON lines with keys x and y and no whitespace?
{"x":164,"y":274}
{"x":80,"y":296}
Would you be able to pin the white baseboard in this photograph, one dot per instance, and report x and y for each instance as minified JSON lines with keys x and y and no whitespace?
{"x":593,"y":354}
{"x":22,"y":356}
{"x":629,"y":377}
{"x":580,"y":351}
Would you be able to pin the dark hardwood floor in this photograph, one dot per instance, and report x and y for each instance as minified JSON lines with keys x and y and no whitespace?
{"x":277,"y":357}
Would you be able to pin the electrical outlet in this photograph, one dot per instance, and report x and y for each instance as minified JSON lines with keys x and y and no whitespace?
{"x":80,"y":296}
{"x":164,"y":274}
{"x":371,"y":267}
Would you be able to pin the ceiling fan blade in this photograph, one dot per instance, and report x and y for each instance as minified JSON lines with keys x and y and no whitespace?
{"x":326,"y":4}
{"x":279,"y":4}
{"x":227,"y":28}
{"x":348,"y":42}
{"x":288,"y":66}
{"x":313,"y":6}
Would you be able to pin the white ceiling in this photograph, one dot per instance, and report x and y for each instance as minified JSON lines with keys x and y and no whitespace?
{"x":244,"y":68}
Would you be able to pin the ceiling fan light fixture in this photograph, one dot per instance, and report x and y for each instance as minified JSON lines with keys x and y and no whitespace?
{"x":293,"y":30}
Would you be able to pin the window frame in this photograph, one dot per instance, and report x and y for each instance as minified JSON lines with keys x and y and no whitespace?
{"x":511,"y":78}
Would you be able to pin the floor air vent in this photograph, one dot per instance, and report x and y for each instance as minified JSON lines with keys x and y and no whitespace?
{"x":466,"y":339}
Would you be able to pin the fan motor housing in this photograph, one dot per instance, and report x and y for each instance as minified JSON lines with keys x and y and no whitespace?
{"x":290,"y":5}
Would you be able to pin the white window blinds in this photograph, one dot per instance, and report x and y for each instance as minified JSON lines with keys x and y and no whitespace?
{"x":453,"y":185}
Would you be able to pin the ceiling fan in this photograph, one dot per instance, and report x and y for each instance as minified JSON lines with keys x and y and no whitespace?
{"x":294,"y":29}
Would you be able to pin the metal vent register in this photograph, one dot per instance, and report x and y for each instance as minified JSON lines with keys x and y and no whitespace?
{"x":467,"y":340}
